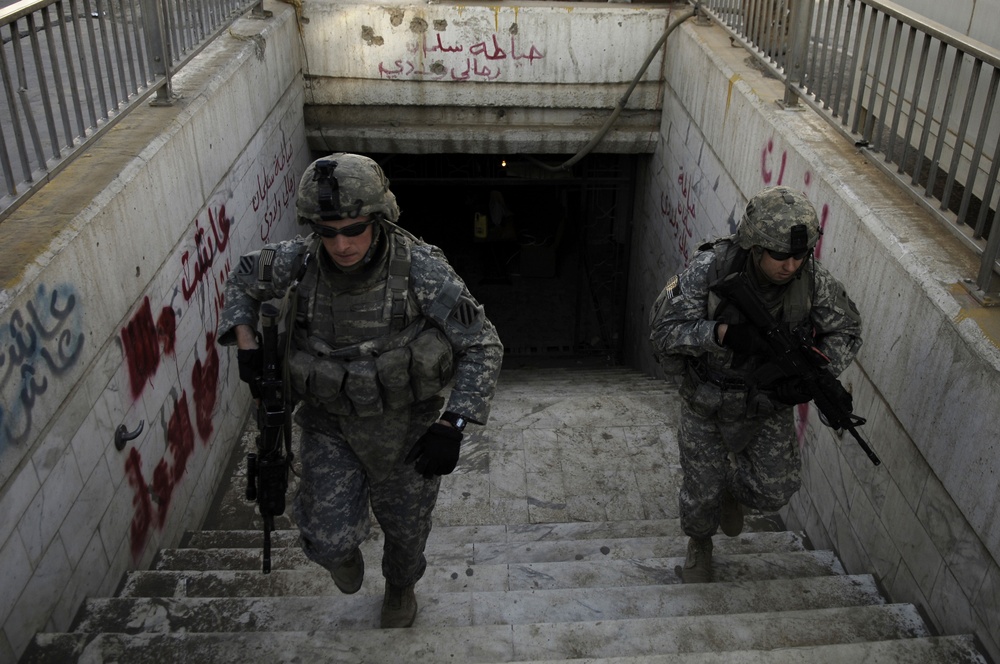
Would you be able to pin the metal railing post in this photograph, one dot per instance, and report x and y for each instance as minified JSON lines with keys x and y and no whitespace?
{"x":799,"y":21}
{"x":154,"y":28}
{"x":259,"y":12}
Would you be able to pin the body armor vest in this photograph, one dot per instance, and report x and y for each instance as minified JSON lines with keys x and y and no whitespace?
{"x":359,"y":340}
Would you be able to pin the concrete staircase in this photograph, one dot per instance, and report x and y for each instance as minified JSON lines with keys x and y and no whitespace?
{"x":556,"y":539}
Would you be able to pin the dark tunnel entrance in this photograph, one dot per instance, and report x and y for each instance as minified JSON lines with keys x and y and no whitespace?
{"x":545,"y":252}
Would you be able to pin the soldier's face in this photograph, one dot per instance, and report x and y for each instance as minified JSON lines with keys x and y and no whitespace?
{"x":779,"y":271}
{"x":348,"y":246}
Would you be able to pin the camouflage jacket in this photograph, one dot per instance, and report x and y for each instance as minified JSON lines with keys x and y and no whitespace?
{"x":476,"y":346}
{"x":680,"y":323}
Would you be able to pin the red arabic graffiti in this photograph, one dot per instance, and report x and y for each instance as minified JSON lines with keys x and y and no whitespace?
{"x":180,"y":445}
{"x":681,"y":215}
{"x":166,"y":476}
{"x":473,"y":67}
{"x":145,"y":342}
{"x":766,"y":170}
{"x":142,"y":348}
{"x":142,"y":340}
{"x":801,"y":422}
{"x":205,"y":381}
{"x":143,"y":517}
{"x":276,"y":186}
{"x":206,"y":248}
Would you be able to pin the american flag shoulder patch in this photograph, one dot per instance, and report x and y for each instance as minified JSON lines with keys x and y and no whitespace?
{"x":265,"y":263}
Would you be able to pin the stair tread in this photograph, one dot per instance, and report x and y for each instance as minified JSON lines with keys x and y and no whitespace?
{"x":463,"y":578}
{"x":521,"y":532}
{"x":586,"y":592}
{"x":504,"y":643}
{"x":442,"y":552}
{"x":440,"y":609}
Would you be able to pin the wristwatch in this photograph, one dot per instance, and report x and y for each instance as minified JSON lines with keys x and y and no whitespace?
{"x":455,"y":419}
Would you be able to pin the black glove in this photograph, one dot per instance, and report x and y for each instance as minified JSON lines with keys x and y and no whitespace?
{"x":743,"y":338}
{"x":436,"y":453}
{"x":791,"y":391}
{"x":251,"y":363}
{"x":835,"y":391}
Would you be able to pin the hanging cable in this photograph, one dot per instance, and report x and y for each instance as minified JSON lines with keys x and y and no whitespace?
{"x":620,"y":106}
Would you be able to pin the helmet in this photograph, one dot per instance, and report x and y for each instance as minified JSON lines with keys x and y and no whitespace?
{"x":344,"y":186}
{"x":780,"y":219}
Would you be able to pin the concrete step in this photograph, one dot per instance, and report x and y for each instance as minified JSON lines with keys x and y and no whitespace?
{"x":602,"y":591}
{"x":489,"y":552}
{"x":444,"y":536}
{"x":513,"y":607}
{"x":534,"y":642}
{"x":465,"y":578}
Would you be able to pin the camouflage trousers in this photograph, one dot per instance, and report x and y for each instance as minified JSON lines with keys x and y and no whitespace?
{"x":765,"y":475}
{"x":332,"y":505}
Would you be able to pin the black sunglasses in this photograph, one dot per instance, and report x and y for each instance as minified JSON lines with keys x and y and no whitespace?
{"x":785,"y":255}
{"x":353,"y":230}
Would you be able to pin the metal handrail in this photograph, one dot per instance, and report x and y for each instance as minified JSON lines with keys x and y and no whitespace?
{"x":71,"y":69}
{"x":927,"y":118}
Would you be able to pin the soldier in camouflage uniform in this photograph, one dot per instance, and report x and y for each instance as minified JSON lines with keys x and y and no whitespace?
{"x":737,"y":432}
{"x":382,"y":325}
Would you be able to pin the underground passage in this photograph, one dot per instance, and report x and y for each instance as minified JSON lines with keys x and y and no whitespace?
{"x":545,"y":250}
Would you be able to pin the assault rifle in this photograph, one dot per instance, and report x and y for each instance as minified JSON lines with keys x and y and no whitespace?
{"x":793,"y":357}
{"x":267,"y":470}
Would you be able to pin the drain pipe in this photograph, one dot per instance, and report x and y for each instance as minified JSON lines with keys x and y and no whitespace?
{"x":620,"y":106}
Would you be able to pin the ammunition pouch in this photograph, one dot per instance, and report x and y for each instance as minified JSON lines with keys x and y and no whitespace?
{"x":368,"y":385}
{"x":361,"y":387}
{"x":432,"y":363}
{"x":394,"y":375}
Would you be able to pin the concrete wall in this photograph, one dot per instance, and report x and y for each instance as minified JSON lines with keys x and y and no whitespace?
{"x":979,"y":19}
{"x":479,"y":77}
{"x":110,"y":320}
{"x":926,"y":521}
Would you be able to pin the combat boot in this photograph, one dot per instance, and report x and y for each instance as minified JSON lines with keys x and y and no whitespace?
{"x":399,"y":606}
{"x":350,"y":574}
{"x":731,"y":517}
{"x":698,"y":564}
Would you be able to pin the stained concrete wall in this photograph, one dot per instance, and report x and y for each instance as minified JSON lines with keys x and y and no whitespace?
{"x":111,"y":293}
{"x":925,"y":521}
{"x":480,"y":77}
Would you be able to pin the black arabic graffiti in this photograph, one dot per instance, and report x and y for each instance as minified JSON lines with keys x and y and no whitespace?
{"x":47,"y":343}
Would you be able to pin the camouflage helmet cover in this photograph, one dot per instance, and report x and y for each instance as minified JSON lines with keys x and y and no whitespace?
{"x":344,"y":186}
{"x":779,"y":219}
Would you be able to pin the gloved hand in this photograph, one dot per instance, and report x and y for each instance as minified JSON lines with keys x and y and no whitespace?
{"x":743,"y":338}
{"x":791,"y":391}
{"x":436,"y":453}
{"x":251,"y":363}
{"x":835,"y":391}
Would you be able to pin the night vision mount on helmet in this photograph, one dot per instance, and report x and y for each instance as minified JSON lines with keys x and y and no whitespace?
{"x":345,"y":186}
{"x":780,"y":219}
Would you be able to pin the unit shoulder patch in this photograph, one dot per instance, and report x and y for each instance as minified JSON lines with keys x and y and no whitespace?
{"x":466,"y":314}
{"x":673,"y":286}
